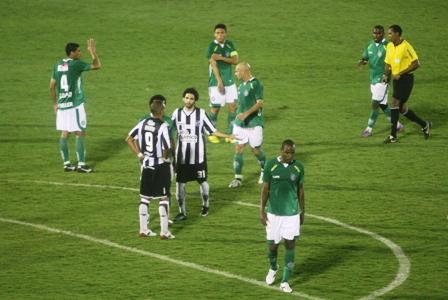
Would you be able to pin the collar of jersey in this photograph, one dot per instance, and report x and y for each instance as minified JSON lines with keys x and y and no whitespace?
{"x":218,"y":43}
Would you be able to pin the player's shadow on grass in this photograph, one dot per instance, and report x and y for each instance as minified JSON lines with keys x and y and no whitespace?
{"x":320,"y":262}
{"x":104,"y":149}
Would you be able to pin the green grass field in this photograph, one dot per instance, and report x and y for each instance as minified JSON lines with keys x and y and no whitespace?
{"x":305,"y":53}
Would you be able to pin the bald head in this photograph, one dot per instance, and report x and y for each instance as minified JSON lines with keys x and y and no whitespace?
{"x":242,"y":71}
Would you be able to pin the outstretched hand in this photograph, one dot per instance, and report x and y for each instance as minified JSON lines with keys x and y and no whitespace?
{"x":91,"y":45}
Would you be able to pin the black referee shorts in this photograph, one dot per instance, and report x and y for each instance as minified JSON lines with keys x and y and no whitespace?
{"x":403,"y":87}
{"x":186,"y":173}
{"x":155,"y":181}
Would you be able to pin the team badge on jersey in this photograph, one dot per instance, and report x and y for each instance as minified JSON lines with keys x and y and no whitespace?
{"x":293,"y":177}
{"x":379,"y":54}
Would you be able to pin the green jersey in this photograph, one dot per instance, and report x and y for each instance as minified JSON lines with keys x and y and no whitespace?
{"x":248,"y":94}
{"x":284,"y":181}
{"x":69,"y":89}
{"x":225,"y":70}
{"x":375,"y":53}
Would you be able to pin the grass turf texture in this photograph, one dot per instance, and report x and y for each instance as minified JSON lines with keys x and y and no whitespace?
{"x":305,"y":54}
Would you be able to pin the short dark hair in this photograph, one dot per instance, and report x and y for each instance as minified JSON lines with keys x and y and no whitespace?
{"x":159,"y":98}
{"x":221,"y":26}
{"x":287,"y":142}
{"x":156,"y":107}
{"x":193,"y":91}
{"x":396,"y":28}
{"x":71,"y":47}
{"x":379,"y":27}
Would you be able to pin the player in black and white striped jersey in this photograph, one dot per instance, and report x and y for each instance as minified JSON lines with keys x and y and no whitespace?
{"x":150,"y":141}
{"x":191,"y":123}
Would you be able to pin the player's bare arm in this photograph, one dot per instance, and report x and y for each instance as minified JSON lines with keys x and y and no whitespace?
{"x":263,"y":201}
{"x":387,"y":72}
{"x":91,"y":47}
{"x":254,"y":108}
{"x":225,"y":135}
{"x":301,"y":196}
{"x":53,"y":94}
{"x":215,"y":71}
{"x":412,"y":67}
{"x":233,"y":60}
{"x":362,"y":62}
{"x":134,"y":147}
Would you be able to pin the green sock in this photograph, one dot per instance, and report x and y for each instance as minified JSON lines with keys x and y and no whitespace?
{"x":387,"y":112}
{"x":261,"y":159}
{"x":372,"y":118}
{"x":230,"y":119}
{"x":238,"y":164}
{"x":63,"y":148}
{"x":213,"y":117}
{"x":289,"y":264}
{"x":80,"y":150}
{"x":272,"y":256}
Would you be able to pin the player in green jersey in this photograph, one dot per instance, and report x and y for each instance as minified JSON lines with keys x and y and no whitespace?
{"x":67,"y":92}
{"x":248,"y":125}
{"x":221,"y":54}
{"x":282,"y":209}
{"x":374,"y":55}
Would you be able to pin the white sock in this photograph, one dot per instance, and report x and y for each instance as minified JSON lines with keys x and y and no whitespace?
{"x":163,"y":212}
{"x":205,"y":188}
{"x":180,"y":195}
{"x":143,"y":215}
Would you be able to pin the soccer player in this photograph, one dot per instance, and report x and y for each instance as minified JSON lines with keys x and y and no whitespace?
{"x":66,"y":89}
{"x":248,"y":125}
{"x":170,"y":161}
{"x":221,"y":54}
{"x":401,"y":61}
{"x":191,"y":123}
{"x":374,"y":55}
{"x":152,"y":149}
{"x":284,"y":196}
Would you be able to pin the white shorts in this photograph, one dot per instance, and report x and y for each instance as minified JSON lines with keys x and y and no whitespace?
{"x":282,"y":227}
{"x":218,"y":99}
{"x":72,"y":119}
{"x":252,"y":135}
{"x":379,"y":92}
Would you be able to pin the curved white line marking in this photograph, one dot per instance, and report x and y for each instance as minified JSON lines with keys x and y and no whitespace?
{"x":155,"y":255}
{"x":403,"y":261}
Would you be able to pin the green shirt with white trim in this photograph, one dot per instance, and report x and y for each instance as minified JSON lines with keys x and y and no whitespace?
{"x":248,"y":94}
{"x":69,"y":88}
{"x":225,"y":69}
{"x":374,"y":54}
{"x":284,"y":182}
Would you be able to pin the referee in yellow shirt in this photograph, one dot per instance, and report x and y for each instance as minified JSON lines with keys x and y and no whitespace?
{"x":401,"y":60}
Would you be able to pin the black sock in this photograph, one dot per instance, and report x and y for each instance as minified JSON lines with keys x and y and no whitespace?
{"x":414,"y":118}
{"x":394,"y":113}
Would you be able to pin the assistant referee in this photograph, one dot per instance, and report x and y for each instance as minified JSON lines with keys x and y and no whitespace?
{"x":401,"y":60}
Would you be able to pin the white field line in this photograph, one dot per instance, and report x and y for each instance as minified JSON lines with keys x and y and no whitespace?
{"x":155,"y":255}
{"x":403,"y":261}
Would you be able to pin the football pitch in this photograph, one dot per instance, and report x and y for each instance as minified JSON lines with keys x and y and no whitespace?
{"x":377,"y":215}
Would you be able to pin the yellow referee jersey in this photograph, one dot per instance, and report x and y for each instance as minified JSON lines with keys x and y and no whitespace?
{"x":400,"y":57}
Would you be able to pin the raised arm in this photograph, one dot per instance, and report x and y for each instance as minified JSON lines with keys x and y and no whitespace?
{"x":91,"y":47}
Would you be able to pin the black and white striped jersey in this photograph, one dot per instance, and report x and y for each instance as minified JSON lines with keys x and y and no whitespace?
{"x":191,"y":126}
{"x":153,"y":137}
